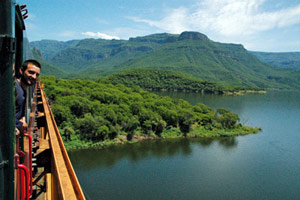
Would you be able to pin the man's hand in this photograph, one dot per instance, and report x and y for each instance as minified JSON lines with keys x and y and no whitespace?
{"x":24,"y":126}
{"x":17,"y":132}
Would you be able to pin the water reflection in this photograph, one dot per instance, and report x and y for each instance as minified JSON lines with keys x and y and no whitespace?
{"x":261,"y":166}
{"x":228,"y":142}
{"x":95,"y":158}
{"x":211,"y":100}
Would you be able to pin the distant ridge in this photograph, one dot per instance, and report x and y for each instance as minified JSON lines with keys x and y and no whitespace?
{"x":47,"y":68}
{"x":50,"y":48}
{"x":164,"y":80}
{"x":189,"y":52}
{"x":283,"y":59}
{"x":192,"y":36}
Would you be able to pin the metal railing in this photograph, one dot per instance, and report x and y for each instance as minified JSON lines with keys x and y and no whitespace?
{"x":64,"y":183}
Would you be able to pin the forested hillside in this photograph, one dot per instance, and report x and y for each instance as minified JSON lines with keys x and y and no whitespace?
{"x":47,"y":68}
{"x":49,"y":48}
{"x":147,"y":79}
{"x":189,"y":52}
{"x":284,"y":59}
{"x":89,"y":113}
{"x":165,"y":80}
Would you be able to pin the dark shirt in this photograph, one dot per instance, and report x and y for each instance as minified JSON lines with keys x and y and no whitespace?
{"x":20,"y":103}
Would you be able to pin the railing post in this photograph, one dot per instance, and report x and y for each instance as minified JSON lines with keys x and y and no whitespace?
{"x":29,"y":161}
{"x":22,"y":185}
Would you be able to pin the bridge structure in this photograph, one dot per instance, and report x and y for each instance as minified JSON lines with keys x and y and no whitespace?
{"x":33,"y":162}
{"x":46,"y":171}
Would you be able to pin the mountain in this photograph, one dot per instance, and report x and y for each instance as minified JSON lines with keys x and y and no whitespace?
{"x":48,"y":69}
{"x":76,"y":56}
{"x":189,"y":52}
{"x":151,"y":79}
{"x":103,"y":54}
{"x":284,"y":59}
{"x":49,"y":48}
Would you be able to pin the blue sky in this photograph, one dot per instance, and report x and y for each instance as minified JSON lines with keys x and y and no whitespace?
{"x":260,"y":25}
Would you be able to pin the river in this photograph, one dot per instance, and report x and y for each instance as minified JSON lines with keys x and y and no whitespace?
{"x":259,"y":166}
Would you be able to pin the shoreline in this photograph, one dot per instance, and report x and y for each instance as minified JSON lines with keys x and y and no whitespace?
{"x":198,"y":132}
{"x":244,"y":92}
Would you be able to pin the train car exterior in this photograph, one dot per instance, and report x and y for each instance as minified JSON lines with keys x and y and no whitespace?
{"x":11,"y":55}
{"x":51,"y":173}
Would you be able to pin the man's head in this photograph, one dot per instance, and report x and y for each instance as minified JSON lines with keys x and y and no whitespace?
{"x":30,"y":72}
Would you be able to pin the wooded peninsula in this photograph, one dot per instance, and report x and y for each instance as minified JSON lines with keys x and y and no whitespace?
{"x":97,"y":114}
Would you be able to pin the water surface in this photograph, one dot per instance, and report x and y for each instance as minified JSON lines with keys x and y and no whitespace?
{"x":260,"y":166}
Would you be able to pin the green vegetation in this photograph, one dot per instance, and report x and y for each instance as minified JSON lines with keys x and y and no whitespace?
{"x":48,"y":69}
{"x":166,"y":80}
{"x":95,"y":114}
{"x":151,"y":79}
{"x":189,"y":52}
{"x":283,"y":59}
{"x":50,"y":48}
{"x":228,"y":64}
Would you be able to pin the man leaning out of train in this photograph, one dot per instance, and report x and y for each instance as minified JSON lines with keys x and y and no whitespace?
{"x":28,"y":74}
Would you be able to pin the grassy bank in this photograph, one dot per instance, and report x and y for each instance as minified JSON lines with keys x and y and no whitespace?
{"x":243,"y":92}
{"x":197,"y":132}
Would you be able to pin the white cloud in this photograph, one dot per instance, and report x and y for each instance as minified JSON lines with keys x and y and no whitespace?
{"x":100,"y":35}
{"x":244,"y":17}
{"x":226,"y":17}
{"x":127,"y":32}
{"x":176,"y":22}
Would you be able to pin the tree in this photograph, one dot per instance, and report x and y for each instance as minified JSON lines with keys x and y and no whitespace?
{"x":92,"y":128}
{"x":168,"y":115}
{"x":132,"y":124}
{"x":68,"y":131}
{"x":80,"y":106}
{"x":102,"y":132}
{"x":147,"y":126}
{"x":185,"y":119}
{"x":161,"y":124}
{"x":61,"y":113}
{"x":226,"y":118}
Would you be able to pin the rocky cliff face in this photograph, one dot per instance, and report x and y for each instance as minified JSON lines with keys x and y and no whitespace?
{"x":189,"y":35}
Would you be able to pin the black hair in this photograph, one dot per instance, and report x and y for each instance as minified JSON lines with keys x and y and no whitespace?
{"x":34,"y":62}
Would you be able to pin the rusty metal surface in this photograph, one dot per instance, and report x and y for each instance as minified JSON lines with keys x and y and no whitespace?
{"x":64,"y":183}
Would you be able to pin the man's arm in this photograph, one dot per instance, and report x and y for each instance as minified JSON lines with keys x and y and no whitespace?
{"x":21,"y":124}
